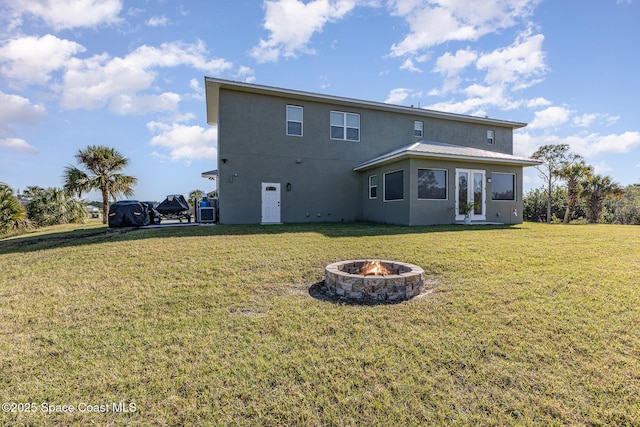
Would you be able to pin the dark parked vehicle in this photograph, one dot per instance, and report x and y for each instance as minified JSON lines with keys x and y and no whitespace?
{"x":174,"y":207}
{"x":128,"y":213}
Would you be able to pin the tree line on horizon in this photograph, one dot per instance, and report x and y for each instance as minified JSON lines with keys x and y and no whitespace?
{"x":572,"y":191}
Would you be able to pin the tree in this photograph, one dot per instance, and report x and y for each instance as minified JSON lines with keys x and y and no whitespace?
{"x":573,"y":173}
{"x":535,"y":204}
{"x":102,"y":165}
{"x":553,"y":158}
{"x":53,"y":206}
{"x":12,"y":215}
{"x":595,"y":188}
{"x":195,"y":194}
{"x":627,"y":209}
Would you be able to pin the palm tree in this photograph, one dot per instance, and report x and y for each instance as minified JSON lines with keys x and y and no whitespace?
{"x":595,"y":188}
{"x":12,"y":216}
{"x":574,"y":174}
{"x":102,"y":165}
{"x":51,"y":206}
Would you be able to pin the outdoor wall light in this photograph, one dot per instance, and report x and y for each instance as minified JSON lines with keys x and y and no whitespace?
{"x":288,"y":186}
{"x":224,"y":160}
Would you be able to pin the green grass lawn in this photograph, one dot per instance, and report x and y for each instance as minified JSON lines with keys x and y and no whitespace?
{"x":528,"y":325}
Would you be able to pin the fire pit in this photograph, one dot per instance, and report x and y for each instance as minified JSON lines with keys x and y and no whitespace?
{"x":370,"y":280}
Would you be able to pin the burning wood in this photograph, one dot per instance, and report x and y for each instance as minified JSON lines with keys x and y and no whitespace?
{"x":373,"y":268}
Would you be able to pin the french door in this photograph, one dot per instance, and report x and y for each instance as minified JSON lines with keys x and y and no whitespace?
{"x":471,"y":189}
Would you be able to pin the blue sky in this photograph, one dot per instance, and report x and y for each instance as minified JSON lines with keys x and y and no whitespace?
{"x":129,"y":74}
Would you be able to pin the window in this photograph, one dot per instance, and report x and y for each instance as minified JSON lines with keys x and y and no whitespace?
{"x":345,"y":126}
{"x":503,"y":186}
{"x":373,"y":186}
{"x":394,"y":185}
{"x":417,"y":128}
{"x":432,"y":184}
{"x":294,"y":120}
{"x":490,"y":137}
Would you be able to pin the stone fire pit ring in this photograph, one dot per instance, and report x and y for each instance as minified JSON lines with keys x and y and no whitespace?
{"x":404,"y":282}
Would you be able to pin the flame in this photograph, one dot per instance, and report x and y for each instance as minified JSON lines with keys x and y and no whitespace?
{"x":373,"y":268}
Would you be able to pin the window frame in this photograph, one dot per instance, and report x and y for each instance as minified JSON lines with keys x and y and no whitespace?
{"x":491,"y":140}
{"x":515,"y":187}
{"x":446,"y":183}
{"x":345,"y":127}
{"x":373,"y":187}
{"x":301,"y":121}
{"x":415,"y":130}
{"x":384,"y":186}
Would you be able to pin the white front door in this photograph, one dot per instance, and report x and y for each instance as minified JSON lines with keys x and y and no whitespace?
{"x":270,"y":202}
{"x":471,"y":188}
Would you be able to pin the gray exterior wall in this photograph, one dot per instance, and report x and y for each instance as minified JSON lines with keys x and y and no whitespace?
{"x":414,"y":211}
{"x":253,"y":148}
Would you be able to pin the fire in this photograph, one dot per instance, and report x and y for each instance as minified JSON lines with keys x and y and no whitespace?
{"x":373,"y":268}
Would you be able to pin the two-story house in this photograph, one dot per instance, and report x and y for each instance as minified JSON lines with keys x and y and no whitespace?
{"x":292,"y":156}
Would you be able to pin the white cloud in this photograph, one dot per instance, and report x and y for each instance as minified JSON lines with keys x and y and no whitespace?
{"x":478,"y":99}
{"x":102,"y":80}
{"x":398,"y":96}
{"x":143,"y":104}
{"x":32,"y":59}
{"x":246,"y":74}
{"x":451,"y":65}
{"x":292,"y":23}
{"x":14,"y":111}
{"x":435,"y":22}
{"x":185,"y":143}
{"x":587,"y":145}
{"x":615,"y":143}
{"x":587,"y":119}
{"x":537,"y":102}
{"x":549,"y":117}
{"x":65,"y":14}
{"x":158,"y":21}
{"x":601,"y":168}
{"x":409,"y":66}
{"x":17,"y":109}
{"x":18,"y":145}
{"x":517,"y":63}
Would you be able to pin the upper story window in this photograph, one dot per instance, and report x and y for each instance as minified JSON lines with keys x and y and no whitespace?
{"x":294,"y":120}
{"x":491,"y":137}
{"x":418,"y":127}
{"x":345,"y":126}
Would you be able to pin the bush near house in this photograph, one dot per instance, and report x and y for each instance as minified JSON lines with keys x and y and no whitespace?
{"x":216,"y":326}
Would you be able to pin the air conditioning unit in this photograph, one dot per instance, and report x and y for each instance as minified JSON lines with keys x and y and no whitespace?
{"x":207,"y":214}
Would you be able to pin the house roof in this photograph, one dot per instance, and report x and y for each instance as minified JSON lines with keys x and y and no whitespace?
{"x":213,"y":86}
{"x":210,"y":174}
{"x":442,"y":151}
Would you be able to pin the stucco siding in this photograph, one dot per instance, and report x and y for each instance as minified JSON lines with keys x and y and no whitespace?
{"x":316,"y":173}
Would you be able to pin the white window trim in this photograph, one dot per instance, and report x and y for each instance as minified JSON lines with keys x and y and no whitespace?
{"x":345,"y":127}
{"x":493,"y":137}
{"x":515,"y":187}
{"x":294,"y":121}
{"x":421,"y":130}
{"x":384,"y":185}
{"x":446,"y":178}
{"x":371,"y":186}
